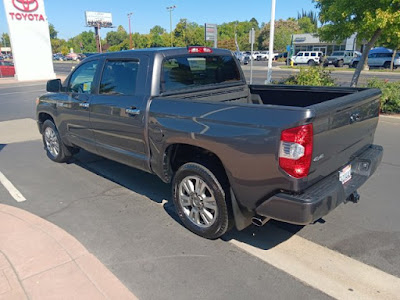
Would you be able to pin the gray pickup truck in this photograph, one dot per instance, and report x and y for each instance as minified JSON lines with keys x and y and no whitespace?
{"x":234,"y":153}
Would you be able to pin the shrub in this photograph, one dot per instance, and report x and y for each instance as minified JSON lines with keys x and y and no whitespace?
{"x":281,"y":59}
{"x":316,"y":76}
{"x":390,"y":99}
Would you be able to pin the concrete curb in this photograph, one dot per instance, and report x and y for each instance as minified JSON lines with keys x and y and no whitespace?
{"x":39,"y":260}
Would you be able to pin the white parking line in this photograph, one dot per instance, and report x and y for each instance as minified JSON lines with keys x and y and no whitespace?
{"x":24,"y":92}
{"x":335,"y":274}
{"x":11,"y":188}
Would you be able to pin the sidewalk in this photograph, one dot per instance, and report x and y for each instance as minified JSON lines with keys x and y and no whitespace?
{"x":39,"y":260}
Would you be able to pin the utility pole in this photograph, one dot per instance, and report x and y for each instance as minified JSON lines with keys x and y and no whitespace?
{"x":170,"y":9}
{"x":251,"y":40}
{"x":98,"y":38}
{"x":130,"y":32}
{"x":271,"y":42}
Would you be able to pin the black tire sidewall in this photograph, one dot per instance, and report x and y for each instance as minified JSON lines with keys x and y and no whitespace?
{"x":61,"y":157}
{"x":221,"y":224}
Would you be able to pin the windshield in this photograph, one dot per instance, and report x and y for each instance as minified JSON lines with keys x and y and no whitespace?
{"x":193,"y":71}
{"x":337,"y":53}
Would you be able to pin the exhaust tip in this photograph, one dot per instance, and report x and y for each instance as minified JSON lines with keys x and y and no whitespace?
{"x":259,"y":220}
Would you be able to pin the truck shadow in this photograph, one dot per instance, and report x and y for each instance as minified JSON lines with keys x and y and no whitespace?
{"x":266,"y":237}
{"x":150,"y":186}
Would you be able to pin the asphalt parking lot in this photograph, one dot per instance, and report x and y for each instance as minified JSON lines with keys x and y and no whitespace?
{"x":125,"y":218}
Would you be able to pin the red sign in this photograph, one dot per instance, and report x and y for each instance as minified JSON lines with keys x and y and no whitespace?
{"x":26,"y":7}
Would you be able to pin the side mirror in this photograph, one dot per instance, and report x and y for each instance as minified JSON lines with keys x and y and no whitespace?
{"x":54,"y":86}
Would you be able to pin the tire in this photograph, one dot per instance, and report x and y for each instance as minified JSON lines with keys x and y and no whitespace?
{"x":55,"y":148}
{"x":201,"y":201}
{"x":354,"y":65}
{"x":311,"y":63}
{"x":339,"y":64}
{"x":386,"y":65}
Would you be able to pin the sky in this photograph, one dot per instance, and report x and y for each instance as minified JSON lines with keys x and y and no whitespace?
{"x":68,"y":17}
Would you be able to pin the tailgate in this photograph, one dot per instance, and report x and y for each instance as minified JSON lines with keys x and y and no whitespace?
{"x":343,"y":128}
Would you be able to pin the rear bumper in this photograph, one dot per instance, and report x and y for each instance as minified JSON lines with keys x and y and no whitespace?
{"x":324,"y":196}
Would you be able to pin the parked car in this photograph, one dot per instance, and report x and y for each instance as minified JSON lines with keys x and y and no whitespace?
{"x":382,"y":60}
{"x":281,"y":55}
{"x":233,"y":153}
{"x":341,"y":58}
{"x":7,"y":68}
{"x":58,"y":57}
{"x":310,"y":58}
{"x":246,"y":59}
{"x":263,"y":55}
{"x":255,"y":54}
{"x":72,"y":56}
{"x":81,"y":56}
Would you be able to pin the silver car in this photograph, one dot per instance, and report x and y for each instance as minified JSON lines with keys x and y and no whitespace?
{"x":377,"y":59}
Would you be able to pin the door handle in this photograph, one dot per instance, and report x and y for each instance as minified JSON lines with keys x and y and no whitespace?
{"x":132,"y":111}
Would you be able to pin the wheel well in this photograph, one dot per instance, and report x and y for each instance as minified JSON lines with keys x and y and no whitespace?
{"x":178,"y":154}
{"x":42,"y":117}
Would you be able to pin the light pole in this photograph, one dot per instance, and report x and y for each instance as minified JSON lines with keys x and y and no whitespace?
{"x":130,"y":32}
{"x":271,"y":42}
{"x":170,"y":9}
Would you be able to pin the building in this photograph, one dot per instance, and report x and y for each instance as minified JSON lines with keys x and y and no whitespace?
{"x":311,"y":42}
{"x":5,"y":50}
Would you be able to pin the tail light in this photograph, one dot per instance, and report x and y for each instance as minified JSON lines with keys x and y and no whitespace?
{"x":296,"y":149}
{"x":199,"y":50}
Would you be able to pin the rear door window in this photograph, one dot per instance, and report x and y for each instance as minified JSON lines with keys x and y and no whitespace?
{"x":313,"y":54}
{"x":306,"y":54}
{"x":119,"y":77}
{"x":193,"y":71}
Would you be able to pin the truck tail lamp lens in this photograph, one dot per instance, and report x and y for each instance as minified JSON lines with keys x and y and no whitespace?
{"x":296,"y":149}
{"x":200,"y":50}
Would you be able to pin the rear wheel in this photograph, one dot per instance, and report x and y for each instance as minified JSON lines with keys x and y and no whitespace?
{"x":201,"y":201}
{"x":354,"y":65}
{"x":311,"y":63}
{"x":386,"y":65}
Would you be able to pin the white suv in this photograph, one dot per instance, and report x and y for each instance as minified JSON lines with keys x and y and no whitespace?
{"x":310,"y":58}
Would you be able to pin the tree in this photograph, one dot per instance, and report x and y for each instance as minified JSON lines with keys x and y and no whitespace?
{"x":283,"y":34}
{"x":306,"y":25}
{"x":310,"y":15}
{"x":59,"y":46}
{"x":371,"y":19}
{"x":53,"y":32}
{"x":114,"y":38}
{"x":85,"y":41}
{"x":254,"y":23}
{"x":5,"y":40}
{"x":157,"y":30}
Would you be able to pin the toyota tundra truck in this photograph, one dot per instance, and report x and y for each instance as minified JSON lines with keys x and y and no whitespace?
{"x":234,"y":153}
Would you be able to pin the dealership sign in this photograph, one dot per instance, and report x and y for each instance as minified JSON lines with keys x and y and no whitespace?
{"x":30,"y":39}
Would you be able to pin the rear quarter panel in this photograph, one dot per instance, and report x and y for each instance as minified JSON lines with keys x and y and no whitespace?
{"x":245,"y":138}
